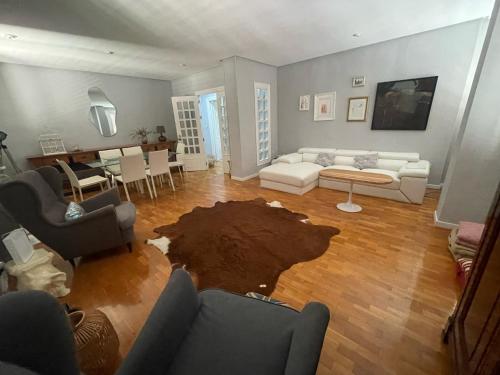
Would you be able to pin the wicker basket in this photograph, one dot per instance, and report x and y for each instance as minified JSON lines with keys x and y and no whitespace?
{"x":96,"y":342}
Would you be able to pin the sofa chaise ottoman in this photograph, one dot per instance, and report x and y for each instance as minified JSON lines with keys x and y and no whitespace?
{"x":297,"y":173}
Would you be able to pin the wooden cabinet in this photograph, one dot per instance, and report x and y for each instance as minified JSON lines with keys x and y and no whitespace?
{"x":41,"y":160}
{"x":148,"y":147}
{"x":84,"y":157}
{"x":165,"y":146}
{"x":91,"y":155}
{"x":474,"y":330}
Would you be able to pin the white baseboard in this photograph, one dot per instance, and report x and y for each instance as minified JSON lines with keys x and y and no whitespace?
{"x":443,"y":224}
{"x":244,"y":178}
{"x":434,"y":186}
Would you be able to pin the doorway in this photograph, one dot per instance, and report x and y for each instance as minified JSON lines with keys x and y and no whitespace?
{"x":212,"y":107}
{"x":210,"y":129}
{"x":201,"y":124}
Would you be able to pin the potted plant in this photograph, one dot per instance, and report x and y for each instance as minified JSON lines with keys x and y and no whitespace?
{"x":141,"y":134}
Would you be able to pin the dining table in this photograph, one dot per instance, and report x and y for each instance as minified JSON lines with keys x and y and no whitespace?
{"x":113,"y":165}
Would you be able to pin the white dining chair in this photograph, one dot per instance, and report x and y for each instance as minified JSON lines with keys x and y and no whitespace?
{"x":132,"y":170}
{"x":109,"y":155}
{"x":159,"y":166}
{"x":134,"y":150}
{"x":179,"y":163}
{"x":84,"y":182}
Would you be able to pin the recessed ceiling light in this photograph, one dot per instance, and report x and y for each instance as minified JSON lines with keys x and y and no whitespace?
{"x":111,"y":52}
{"x":10,"y":36}
{"x":356,"y":35}
{"x":182,"y":65}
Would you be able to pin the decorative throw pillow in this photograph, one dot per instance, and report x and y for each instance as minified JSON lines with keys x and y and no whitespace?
{"x":325,"y":159}
{"x":366,"y":161}
{"x":74,"y":211}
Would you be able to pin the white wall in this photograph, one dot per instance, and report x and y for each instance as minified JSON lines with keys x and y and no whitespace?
{"x":35,"y":101}
{"x":240,"y":75}
{"x":474,"y":173}
{"x":444,"y":52}
{"x":200,"y":81}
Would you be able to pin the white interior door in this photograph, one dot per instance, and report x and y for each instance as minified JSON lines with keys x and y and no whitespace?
{"x":224,"y":132}
{"x":187,"y":123}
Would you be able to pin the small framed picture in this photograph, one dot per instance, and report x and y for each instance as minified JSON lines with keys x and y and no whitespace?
{"x":356,"y":108}
{"x":358,"y":81}
{"x":324,"y":106}
{"x":304,"y":102}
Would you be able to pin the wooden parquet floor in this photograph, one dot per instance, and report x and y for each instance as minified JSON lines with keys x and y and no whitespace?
{"x":388,"y":278}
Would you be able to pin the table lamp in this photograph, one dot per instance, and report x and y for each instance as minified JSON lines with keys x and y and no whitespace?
{"x":161,"y":129}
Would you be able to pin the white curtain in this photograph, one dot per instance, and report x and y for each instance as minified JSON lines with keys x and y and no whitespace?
{"x":210,"y":124}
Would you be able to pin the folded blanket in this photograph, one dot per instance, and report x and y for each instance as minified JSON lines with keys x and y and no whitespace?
{"x":463,"y":251}
{"x":469,"y":233}
{"x":453,"y":240}
{"x":458,"y":250}
{"x":464,"y":267}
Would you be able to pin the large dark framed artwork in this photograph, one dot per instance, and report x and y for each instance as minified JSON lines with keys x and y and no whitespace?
{"x":403,"y":105}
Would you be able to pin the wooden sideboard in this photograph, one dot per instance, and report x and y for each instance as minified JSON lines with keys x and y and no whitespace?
{"x":90,"y":155}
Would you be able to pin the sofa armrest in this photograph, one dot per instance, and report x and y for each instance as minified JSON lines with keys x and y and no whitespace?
{"x":415,"y":169}
{"x":104,"y":216}
{"x":97,"y":229}
{"x":165,"y":329}
{"x":289,"y":158}
{"x":307,"y":340}
{"x":36,"y":334}
{"x":100,"y":200}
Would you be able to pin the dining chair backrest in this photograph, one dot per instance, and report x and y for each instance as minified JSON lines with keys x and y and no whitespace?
{"x":112,"y":154}
{"x":132,"y":168}
{"x":180,"y":151}
{"x":73,"y":179}
{"x":158,"y":162}
{"x":134,"y":150}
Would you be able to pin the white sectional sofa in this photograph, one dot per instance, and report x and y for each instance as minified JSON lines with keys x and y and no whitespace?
{"x":297,"y":173}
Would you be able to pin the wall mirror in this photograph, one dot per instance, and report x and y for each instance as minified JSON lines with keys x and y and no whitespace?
{"x":102,"y":112}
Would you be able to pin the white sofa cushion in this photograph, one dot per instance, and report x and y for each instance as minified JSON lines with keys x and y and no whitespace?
{"x":309,"y":157}
{"x":299,"y":174}
{"x":408,"y":156}
{"x":422,"y":164}
{"x":290,"y":158}
{"x":390,"y":164}
{"x":418,"y":169}
{"x":314,"y":150}
{"x":351,"y":152}
{"x":344,"y":160}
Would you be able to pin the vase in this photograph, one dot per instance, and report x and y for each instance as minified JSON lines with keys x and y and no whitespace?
{"x":96,"y":342}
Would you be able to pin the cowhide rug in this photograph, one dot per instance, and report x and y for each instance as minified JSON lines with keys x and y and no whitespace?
{"x":243,"y":246}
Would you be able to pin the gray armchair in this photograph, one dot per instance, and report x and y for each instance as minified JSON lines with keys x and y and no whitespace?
{"x":35,"y":200}
{"x":36,"y":338}
{"x":212,"y":333}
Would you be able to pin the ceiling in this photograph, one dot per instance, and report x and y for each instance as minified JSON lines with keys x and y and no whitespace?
{"x":168,"y":39}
